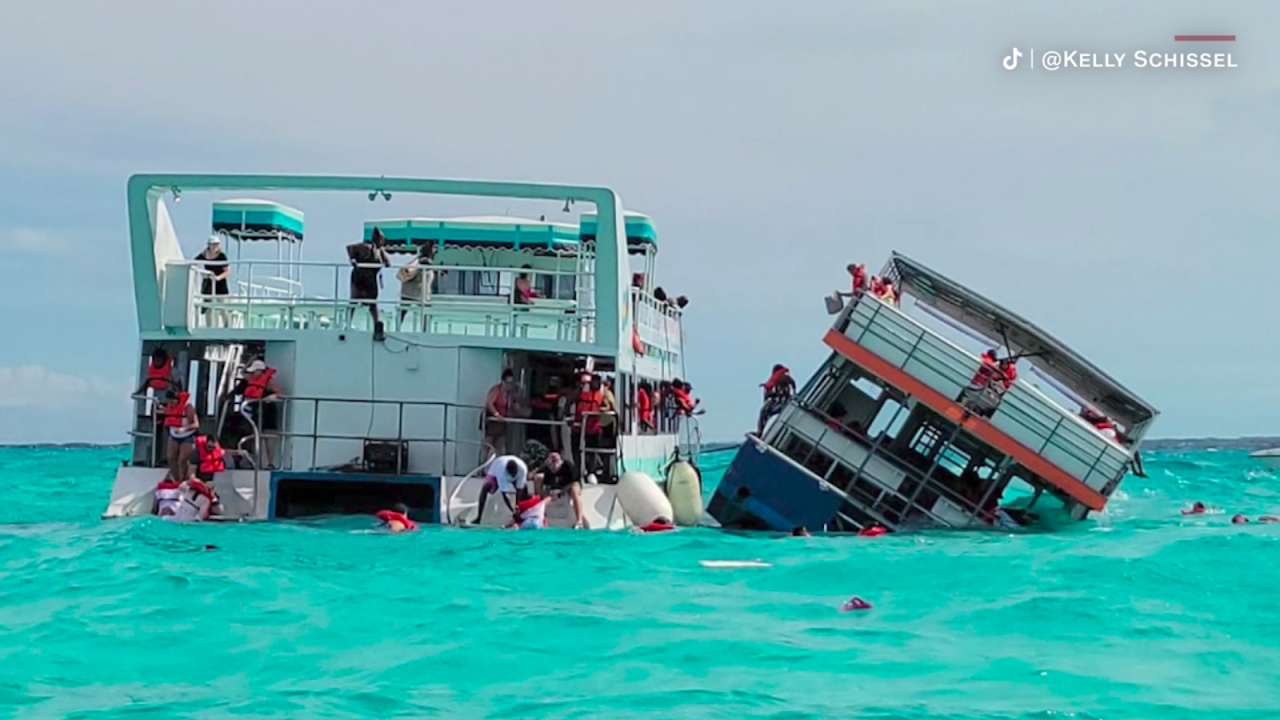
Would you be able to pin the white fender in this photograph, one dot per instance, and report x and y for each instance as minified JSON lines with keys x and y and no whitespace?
{"x":641,"y":498}
{"x":685,"y":491}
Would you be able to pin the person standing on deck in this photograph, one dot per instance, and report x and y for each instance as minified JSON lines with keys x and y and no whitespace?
{"x":181,"y":424}
{"x":367,"y":260}
{"x":415,"y":279}
{"x":558,"y":475}
{"x":259,"y":390}
{"x":159,"y":373}
{"x":778,"y":390}
{"x":214,"y":284}
{"x":498,"y":404}
{"x":505,"y":474}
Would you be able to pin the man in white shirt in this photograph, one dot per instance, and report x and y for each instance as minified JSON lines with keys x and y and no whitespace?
{"x":506,"y":474}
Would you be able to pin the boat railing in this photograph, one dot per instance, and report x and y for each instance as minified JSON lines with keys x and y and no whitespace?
{"x":484,"y":303}
{"x":657,"y":321}
{"x":1024,"y":413}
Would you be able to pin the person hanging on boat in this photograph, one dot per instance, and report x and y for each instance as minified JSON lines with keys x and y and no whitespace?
{"x":778,"y":391}
{"x":505,"y":474}
{"x":188,"y":501}
{"x":590,"y":405}
{"x":559,"y":476}
{"x":646,"y":408}
{"x":858,"y":275}
{"x":367,"y":260}
{"x":982,"y":395}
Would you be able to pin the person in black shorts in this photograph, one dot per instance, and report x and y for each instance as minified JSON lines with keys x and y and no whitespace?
{"x":364,"y":258}
{"x":556,"y":476}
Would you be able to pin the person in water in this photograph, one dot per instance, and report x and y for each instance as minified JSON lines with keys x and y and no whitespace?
{"x":397,"y":519}
{"x":530,"y":513}
{"x":557,"y":475}
{"x":778,"y":391}
{"x":800,"y":531}
{"x":505,"y":474}
{"x":1197,"y":508}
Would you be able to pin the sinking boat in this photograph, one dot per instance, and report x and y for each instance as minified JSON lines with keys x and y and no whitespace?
{"x":903,"y":427}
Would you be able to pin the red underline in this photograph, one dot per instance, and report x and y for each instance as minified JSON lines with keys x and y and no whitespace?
{"x":1204,"y":38}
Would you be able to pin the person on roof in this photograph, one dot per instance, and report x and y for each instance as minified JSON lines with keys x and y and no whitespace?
{"x":1008,"y":371}
{"x":858,"y":274}
{"x":159,"y":373}
{"x":887,"y":291}
{"x":977,"y":396}
{"x":778,"y":391}
{"x":367,"y":260}
{"x":416,"y":278}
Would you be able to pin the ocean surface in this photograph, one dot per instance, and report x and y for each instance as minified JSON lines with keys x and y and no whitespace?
{"x":1140,"y":613}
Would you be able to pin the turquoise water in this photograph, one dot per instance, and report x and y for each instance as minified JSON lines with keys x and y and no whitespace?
{"x":1144,"y":614}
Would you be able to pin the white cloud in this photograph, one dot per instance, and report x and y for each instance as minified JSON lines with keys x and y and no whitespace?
{"x":34,"y":386}
{"x":32,"y":241}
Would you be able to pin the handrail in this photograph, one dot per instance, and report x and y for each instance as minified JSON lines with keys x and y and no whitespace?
{"x":448,"y":506}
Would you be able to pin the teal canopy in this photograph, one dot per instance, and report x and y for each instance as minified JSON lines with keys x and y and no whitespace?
{"x":250,"y":219}
{"x":538,"y":236}
{"x":640,"y":232}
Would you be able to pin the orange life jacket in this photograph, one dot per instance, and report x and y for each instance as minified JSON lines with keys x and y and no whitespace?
{"x":1010,"y":374}
{"x":159,"y":378}
{"x":590,"y":401}
{"x":256,"y":389}
{"x":644,"y":405}
{"x":387,"y":516}
{"x":859,"y":280}
{"x":212,"y":459}
{"x":986,"y":373}
{"x":636,"y":345}
{"x":683,"y":400}
{"x":175,"y":413}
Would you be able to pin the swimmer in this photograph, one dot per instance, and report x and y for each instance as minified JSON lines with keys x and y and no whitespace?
{"x":659,"y":524}
{"x":800,"y":531}
{"x":875,"y":529}
{"x":1239,"y":519}
{"x":1197,"y":508}
{"x":1268,"y":519}
{"x":397,"y":519}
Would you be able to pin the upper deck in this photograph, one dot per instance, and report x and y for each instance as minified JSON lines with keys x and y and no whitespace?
{"x":1028,"y":424}
{"x":585,"y":301}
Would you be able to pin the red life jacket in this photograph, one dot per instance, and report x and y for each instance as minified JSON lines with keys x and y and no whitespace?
{"x":387,"y":516}
{"x":683,"y":400}
{"x":644,"y":405}
{"x":657,"y":526}
{"x":873,"y":531}
{"x":636,"y":345}
{"x":590,"y":401}
{"x":256,"y":389}
{"x":1010,"y":374}
{"x":988,"y":372}
{"x":212,"y":459}
{"x":158,"y":378}
{"x":175,"y":413}
{"x":859,"y":280}
{"x":774,"y":379}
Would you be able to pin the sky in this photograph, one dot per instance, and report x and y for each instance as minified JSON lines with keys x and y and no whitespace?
{"x":1131,"y":212}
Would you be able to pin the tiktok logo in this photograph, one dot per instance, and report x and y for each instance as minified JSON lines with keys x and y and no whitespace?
{"x":1011,"y":61}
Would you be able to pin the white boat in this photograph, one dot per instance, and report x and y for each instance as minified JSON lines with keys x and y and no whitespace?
{"x":374,"y":415}
{"x":1269,"y":458}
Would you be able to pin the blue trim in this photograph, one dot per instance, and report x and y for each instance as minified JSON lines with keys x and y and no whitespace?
{"x":435,"y":482}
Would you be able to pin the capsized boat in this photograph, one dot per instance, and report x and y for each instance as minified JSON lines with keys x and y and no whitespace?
{"x":383,"y":400}
{"x":903,"y":427}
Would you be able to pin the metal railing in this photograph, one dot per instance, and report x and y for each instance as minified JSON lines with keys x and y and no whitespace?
{"x":1024,"y":413}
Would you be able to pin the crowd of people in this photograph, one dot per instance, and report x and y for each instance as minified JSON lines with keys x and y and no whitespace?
{"x":882,"y":287}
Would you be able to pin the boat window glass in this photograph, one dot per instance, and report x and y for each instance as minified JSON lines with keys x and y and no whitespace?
{"x":953,"y":460}
{"x":889,"y":420}
{"x":796,"y":448}
{"x":871,"y":388}
{"x":841,"y":476}
{"x":819,"y":463}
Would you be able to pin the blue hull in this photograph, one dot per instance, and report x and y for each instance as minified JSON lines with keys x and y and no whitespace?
{"x":762,"y":490}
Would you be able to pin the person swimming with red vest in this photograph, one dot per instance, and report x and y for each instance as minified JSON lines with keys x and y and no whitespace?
{"x":875,"y":529}
{"x":778,"y":391}
{"x":658,"y":524}
{"x":397,"y":519}
{"x":1197,"y":508}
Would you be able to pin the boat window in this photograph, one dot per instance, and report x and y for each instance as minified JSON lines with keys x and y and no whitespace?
{"x":559,"y":287}
{"x":841,"y":476}
{"x":473,"y":282}
{"x":926,"y":440}
{"x":819,"y":463}
{"x":869,"y":387}
{"x":953,"y":460}
{"x":889,"y":420}
{"x":796,"y":448}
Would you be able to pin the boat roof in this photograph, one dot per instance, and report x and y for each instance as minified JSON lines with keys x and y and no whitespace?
{"x":252,"y":219}
{"x":639,"y":228}
{"x":477,"y":231}
{"x":1048,"y":354}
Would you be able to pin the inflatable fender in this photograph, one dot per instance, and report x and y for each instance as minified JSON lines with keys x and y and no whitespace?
{"x":641,"y":498}
{"x":684,"y":490}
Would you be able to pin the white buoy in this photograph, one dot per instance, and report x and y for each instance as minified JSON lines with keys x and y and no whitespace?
{"x":730,"y":564}
{"x":641,"y":498}
{"x":685,"y":492}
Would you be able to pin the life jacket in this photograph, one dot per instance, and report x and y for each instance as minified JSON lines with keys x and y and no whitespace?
{"x":590,"y":401}
{"x":986,"y":373}
{"x":175,"y":413}
{"x":256,"y":387}
{"x":774,"y":386}
{"x":197,"y":506}
{"x":159,"y":378}
{"x":657,"y":526}
{"x":636,"y":345}
{"x":644,"y":406}
{"x":684,"y":403}
{"x":387,"y":516}
{"x":168,"y":497}
{"x":532,"y":513}
{"x":1010,"y":373}
{"x":873,"y":531}
{"x":1107,"y":428}
{"x":859,"y":280}
{"x":212,"y":459}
